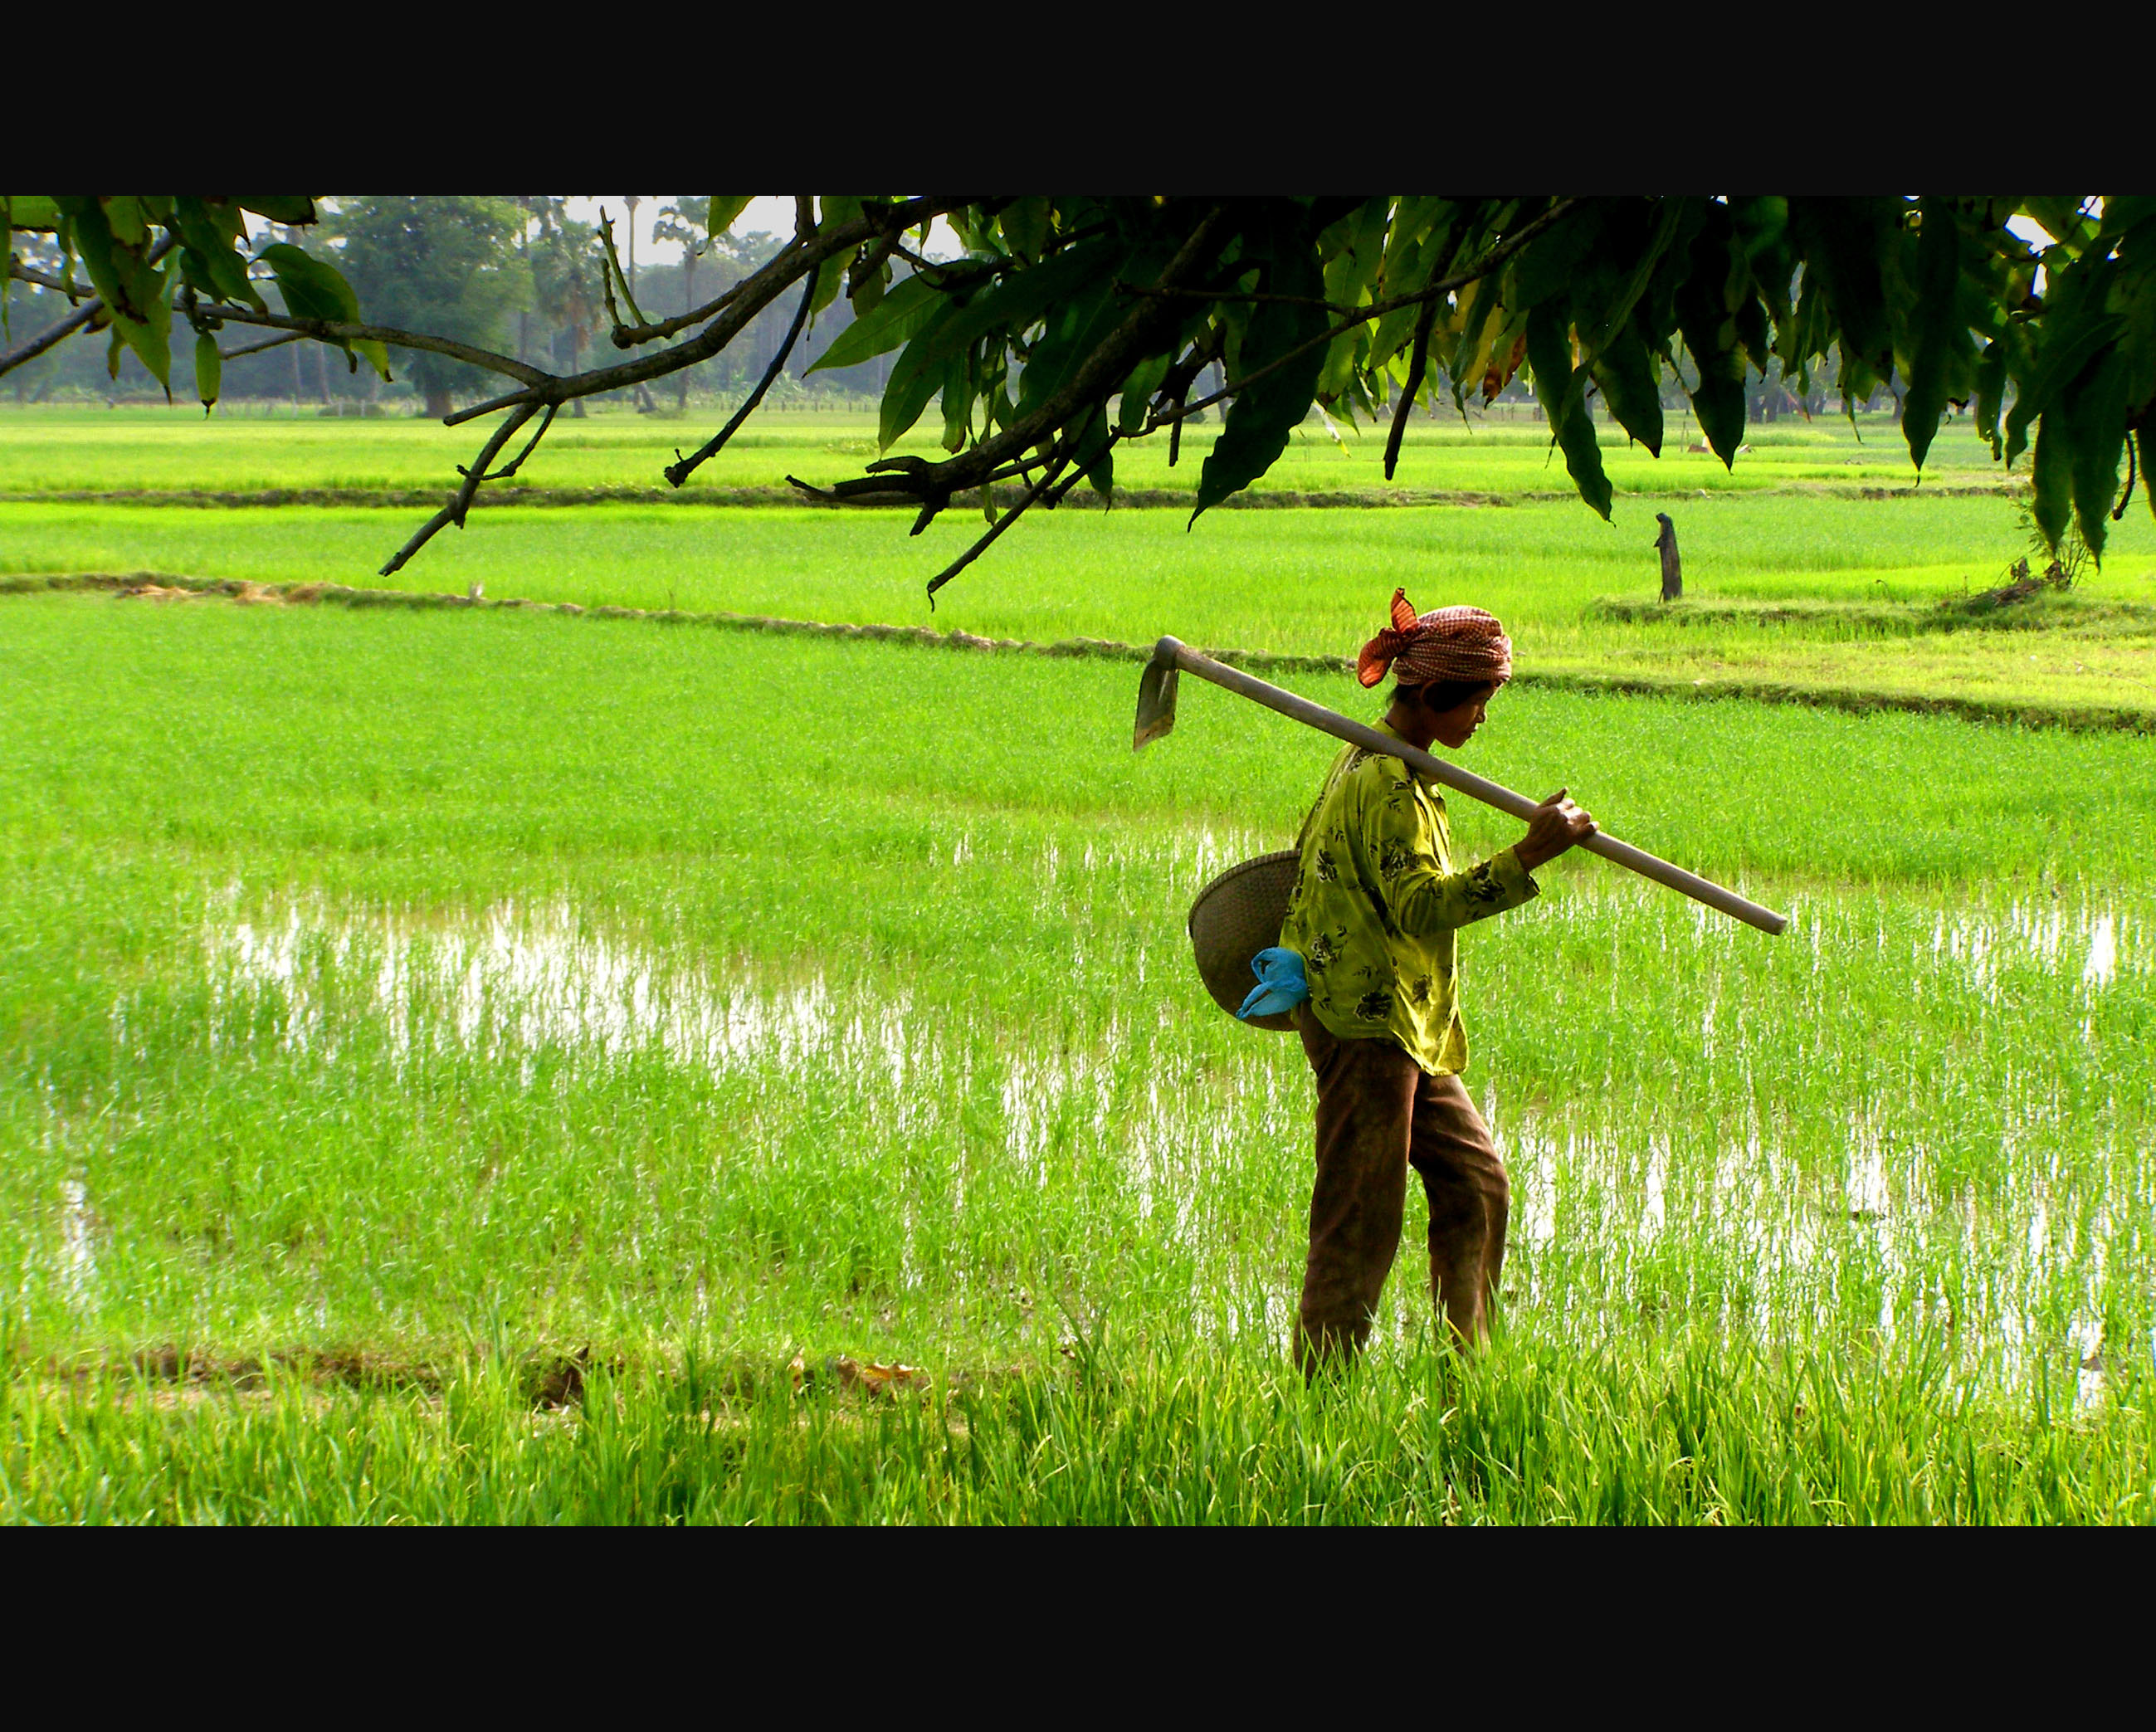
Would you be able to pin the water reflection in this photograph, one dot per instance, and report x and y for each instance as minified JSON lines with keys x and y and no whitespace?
{"x":1737,"y":1225}
{"x":78,"y":1255}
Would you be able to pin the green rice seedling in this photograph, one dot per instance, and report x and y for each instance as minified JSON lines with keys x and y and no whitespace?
{"x":243,"y":449}
{"x":1836,"y":597}
{"x":395,"y":1002}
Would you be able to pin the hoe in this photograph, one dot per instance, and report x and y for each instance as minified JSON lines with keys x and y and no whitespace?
{"x":1157,"y":716}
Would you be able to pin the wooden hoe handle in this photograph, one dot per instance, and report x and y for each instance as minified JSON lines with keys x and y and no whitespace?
{"x":1474,"y":787}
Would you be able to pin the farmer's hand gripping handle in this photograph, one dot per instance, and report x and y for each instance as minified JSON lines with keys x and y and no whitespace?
{"x":1156,"y":714}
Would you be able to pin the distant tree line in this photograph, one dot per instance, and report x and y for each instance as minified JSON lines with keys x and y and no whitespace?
{"x":516,"y":274}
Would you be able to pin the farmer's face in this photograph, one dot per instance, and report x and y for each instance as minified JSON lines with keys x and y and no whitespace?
{"x":1456,"y":725}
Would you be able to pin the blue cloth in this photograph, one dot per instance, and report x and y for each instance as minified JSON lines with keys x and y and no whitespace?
{"x":1281,"y":985}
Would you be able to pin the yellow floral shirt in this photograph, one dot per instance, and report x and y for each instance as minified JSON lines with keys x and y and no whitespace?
{"x":1376,"y":902}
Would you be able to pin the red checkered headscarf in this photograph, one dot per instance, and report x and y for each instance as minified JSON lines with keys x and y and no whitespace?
{"x":1444,"y":644}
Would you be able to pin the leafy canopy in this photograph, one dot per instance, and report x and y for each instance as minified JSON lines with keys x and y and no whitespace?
{"x":1074,"y":323}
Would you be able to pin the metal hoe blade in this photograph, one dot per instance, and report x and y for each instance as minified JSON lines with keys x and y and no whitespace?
{"x":1156,"y":700}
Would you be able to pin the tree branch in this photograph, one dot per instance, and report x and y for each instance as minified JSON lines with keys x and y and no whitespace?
{"x":530,"y":445}
{"x":758,"y":292}
{"x":1047,"y":480}
{"x":1097,"y":376}
{"x":460,"y":502}
{"x":1175,"y":387}
{"x":89,"y":310}
{"x":23,"y":273}
{"x":256,"y":349}
{"x":552,"y":390}
{"x":340,"y":332}
{"x":1418,"y":362}
{"x":31,"y":348}
{"x":682,"y":468}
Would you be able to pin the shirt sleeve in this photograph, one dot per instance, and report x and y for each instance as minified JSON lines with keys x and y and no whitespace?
{"x":1419,"y":895}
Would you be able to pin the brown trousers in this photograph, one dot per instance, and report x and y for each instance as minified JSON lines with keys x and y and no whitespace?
{"x":1378,"y":1115}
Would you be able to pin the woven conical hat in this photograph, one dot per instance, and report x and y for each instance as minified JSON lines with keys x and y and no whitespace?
{"x":1235,"y":916}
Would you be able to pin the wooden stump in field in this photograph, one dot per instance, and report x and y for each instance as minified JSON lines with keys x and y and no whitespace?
{"x":1672,"y":568}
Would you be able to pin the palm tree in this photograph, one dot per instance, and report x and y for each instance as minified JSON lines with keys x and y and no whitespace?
{"x":683,"y":221}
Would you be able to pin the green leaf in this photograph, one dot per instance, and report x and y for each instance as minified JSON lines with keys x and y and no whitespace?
{"x":1710,"y":336}
{"x":957,"y":402}
{"x":2068,"y":346}
{"x":1359,"y":240}
{"x":1841,"y":241}
{"x":2125,"y":211}
{"x":1669,"y":218}
{"x":1068,"y":335}
{"x":2096,"y":436}
{"x":26,"y":210}
{"x":1762,"y":234}
{"x":1482,"y":318}
{"x":1342,"y":360}
{"x":129,"y":223}
{"x":1145,"y":379}
{"x":1095,"y":457}
{"x":214,"y":256}
{"x":1632,"y":384}
{"x":1719,"y":403}
{"x":1561,"y":390}
{"x":1422,"y":223}
{"x":1262,"y":417}
{"x":1020,"y":301}
{"x":210,"y":370}
{"x":1990,"y":394}
{"x":1755,"y":335}
{"x":910,"y":389}
{"x":289,"y":208}
{"x":2051,"y":491}
{"x":1545,"y":269}
{"x":894,"y":320}
{"x":93,"y":245}
{"x":866,"y":294}
{"x":838,"y":210}
{"x":1025,"y":226}
{"x":1938,"y":346}
{"x":2135,"y":297}
{"x":313,"y":290}
{"x":725,"y":207}
{"x":133,"y":292}
{"x":1390,"y":337}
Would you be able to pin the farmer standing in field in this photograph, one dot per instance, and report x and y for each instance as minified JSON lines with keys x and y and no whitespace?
{"x":1374,"y":911}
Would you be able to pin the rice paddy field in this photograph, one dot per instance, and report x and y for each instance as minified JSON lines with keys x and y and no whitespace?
{"x":1840,"y":591}
{"x":503,"y":1065}
{"x":255,"y":448}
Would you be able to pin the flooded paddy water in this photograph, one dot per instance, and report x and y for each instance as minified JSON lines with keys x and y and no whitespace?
{"x":1909,"y":1120}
